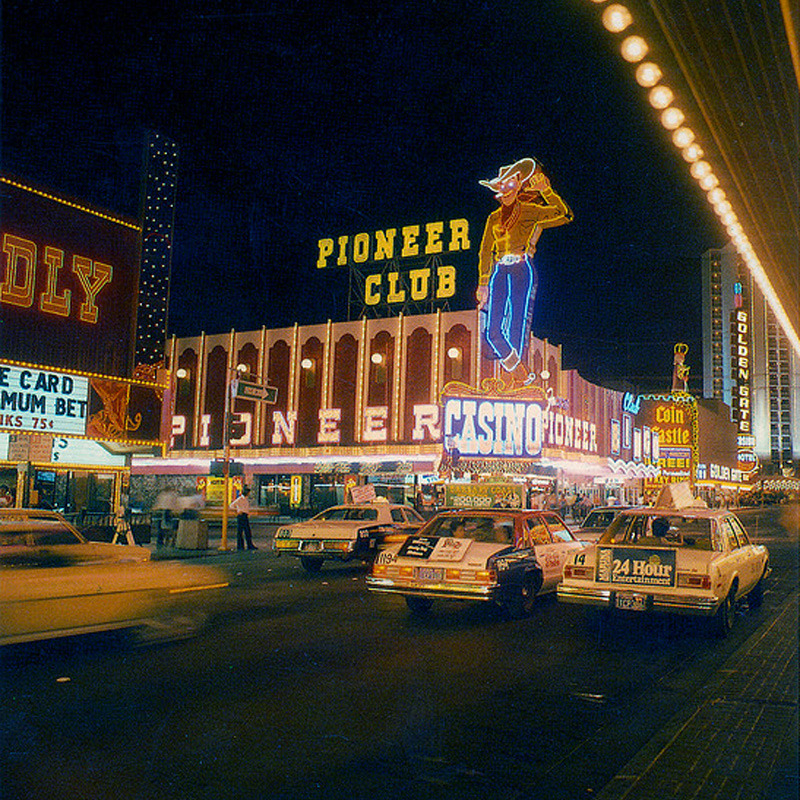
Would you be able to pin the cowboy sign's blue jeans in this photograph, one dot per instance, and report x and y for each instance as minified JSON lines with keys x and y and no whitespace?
{"x":512,"y":291}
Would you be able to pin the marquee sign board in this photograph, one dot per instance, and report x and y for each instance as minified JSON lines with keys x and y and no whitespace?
{"x":37,"y":399}
{"x":68,"y":283}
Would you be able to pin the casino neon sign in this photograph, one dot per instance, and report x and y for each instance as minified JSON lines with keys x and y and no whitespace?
{"x":19,"y":285}
{"x":493,"y":427}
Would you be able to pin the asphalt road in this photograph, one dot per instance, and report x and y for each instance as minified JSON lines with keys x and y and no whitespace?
{"x":306,"y":686}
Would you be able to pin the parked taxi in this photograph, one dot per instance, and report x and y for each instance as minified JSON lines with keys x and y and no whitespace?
{"x":344,"y":532}
{"x":506,"y":557}
{"x":677,"y":557}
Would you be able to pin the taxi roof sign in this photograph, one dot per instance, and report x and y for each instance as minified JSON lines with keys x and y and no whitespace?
{"x":678,"y":495}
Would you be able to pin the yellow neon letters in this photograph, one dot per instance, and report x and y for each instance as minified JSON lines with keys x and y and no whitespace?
{"x":19,"y":281}
{"x":415,"y":240}
{"x":417,"y":283}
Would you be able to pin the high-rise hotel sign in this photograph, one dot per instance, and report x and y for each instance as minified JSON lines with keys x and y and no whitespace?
{"x":741,"y":349}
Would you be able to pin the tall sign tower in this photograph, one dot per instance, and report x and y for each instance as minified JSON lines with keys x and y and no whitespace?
{"x":159,"y":186}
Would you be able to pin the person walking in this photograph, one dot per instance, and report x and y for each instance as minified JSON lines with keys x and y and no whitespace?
{"x":241,"y":505}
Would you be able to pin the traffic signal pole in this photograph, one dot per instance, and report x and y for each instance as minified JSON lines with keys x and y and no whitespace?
{"x":230,"y":388}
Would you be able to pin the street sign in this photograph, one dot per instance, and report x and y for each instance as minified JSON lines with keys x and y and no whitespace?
{"x":255,"y":391}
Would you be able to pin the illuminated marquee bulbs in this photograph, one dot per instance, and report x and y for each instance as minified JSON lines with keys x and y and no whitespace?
{"x":709,"y":181}
{"x":616,"y":18}
{"x":700,"y":169}
{"x":672,"y":118}
{"x":634,"y":48}
{"x":648,"y":74}
{"x":683,"y":137}
{"x":692,"y":152}
{"x":661,"y":96}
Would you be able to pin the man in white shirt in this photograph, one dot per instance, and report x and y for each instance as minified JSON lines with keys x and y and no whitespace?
{"x":241,"y":505}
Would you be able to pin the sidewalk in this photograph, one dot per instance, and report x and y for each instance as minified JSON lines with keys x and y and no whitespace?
{"x":262,"y":533}
{"x":740,"y":742}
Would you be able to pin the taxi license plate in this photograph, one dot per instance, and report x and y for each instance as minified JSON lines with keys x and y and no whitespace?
{"x":313,"y":546}
{"x":631,"y":602}
{"x":428,"y":574}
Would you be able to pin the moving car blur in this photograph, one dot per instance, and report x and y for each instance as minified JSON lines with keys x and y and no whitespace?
{"x":53,"y":582}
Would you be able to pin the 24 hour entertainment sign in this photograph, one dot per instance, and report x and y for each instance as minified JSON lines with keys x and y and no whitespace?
{"x":42,"y":401}
{"x":635,"y":566}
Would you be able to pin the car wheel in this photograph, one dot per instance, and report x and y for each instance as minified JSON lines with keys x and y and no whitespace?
{"x":419,"y":605}
{"x":311,"y":564}
{"x":726,"y":613}
{"x":756,"y":596}
{"x":520,"y":603}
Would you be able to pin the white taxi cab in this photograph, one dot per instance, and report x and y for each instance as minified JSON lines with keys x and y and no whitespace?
{"x":503,"y":556}
{"x":677,"y":556}
{"x":344,"y":532}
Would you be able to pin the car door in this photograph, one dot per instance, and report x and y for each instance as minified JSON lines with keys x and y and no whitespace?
{"x":546,"y":551}
{"x":564,"y":542}
{"x":736,"y":559}
{"x":751,"y":563}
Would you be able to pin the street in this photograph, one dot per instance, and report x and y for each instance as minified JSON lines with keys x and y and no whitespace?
{"x":306,"y":686}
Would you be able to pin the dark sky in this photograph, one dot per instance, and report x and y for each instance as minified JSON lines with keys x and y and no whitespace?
{"x":309,"y":120}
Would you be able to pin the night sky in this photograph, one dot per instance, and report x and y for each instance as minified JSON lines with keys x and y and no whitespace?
{"x":311,"y":120}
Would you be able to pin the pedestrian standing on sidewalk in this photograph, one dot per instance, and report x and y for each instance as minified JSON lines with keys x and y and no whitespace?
{"x":241,"y":505}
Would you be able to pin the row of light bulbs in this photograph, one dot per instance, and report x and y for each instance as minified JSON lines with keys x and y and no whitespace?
{"x":617,"y":19}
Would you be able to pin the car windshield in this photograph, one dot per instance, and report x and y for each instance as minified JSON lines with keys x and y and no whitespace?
{"x":599,"y":519}
{"x":660,"y":530}
{"x":345,"y":513}
{"x":39,"y":532}
{"x":480,"y":528}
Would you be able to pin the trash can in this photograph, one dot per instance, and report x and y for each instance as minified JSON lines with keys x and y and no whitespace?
{"x":192,"y":534}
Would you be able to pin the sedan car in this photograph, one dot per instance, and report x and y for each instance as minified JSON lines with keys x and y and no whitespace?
{"x":348,"y":531}
{"x":53,"y":583}
{"x":675,"y":557}
{"x":596,"y":521}
{"x":506,"y":557}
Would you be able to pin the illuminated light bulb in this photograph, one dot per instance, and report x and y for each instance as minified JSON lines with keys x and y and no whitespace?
{"x":616,"y":18}
{"x":634,"y":49}
{"x":728,"y":219}
{"x":672,"y":118}
{"x":306,"y":363}
{"x":700,"y":169}
{"x":454,"y":352}
{"x":648,"y":74}
{"x":376,"y":358}
{"x":598,"y":1}
{"x":692,"y":152}
{"x":709,"y":182}
{"x":545,"y":375}
{"x":683,"y":137}
{"x":716,"y":196}
{"x":660,"y":97}
{"x":723,"y":207}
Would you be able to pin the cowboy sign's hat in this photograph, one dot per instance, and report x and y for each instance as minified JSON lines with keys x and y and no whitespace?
{"x":524,"y":166}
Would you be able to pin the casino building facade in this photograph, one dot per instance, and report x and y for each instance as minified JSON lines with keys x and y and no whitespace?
{"x":73,"y":408}
{"x":408,"y":403}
